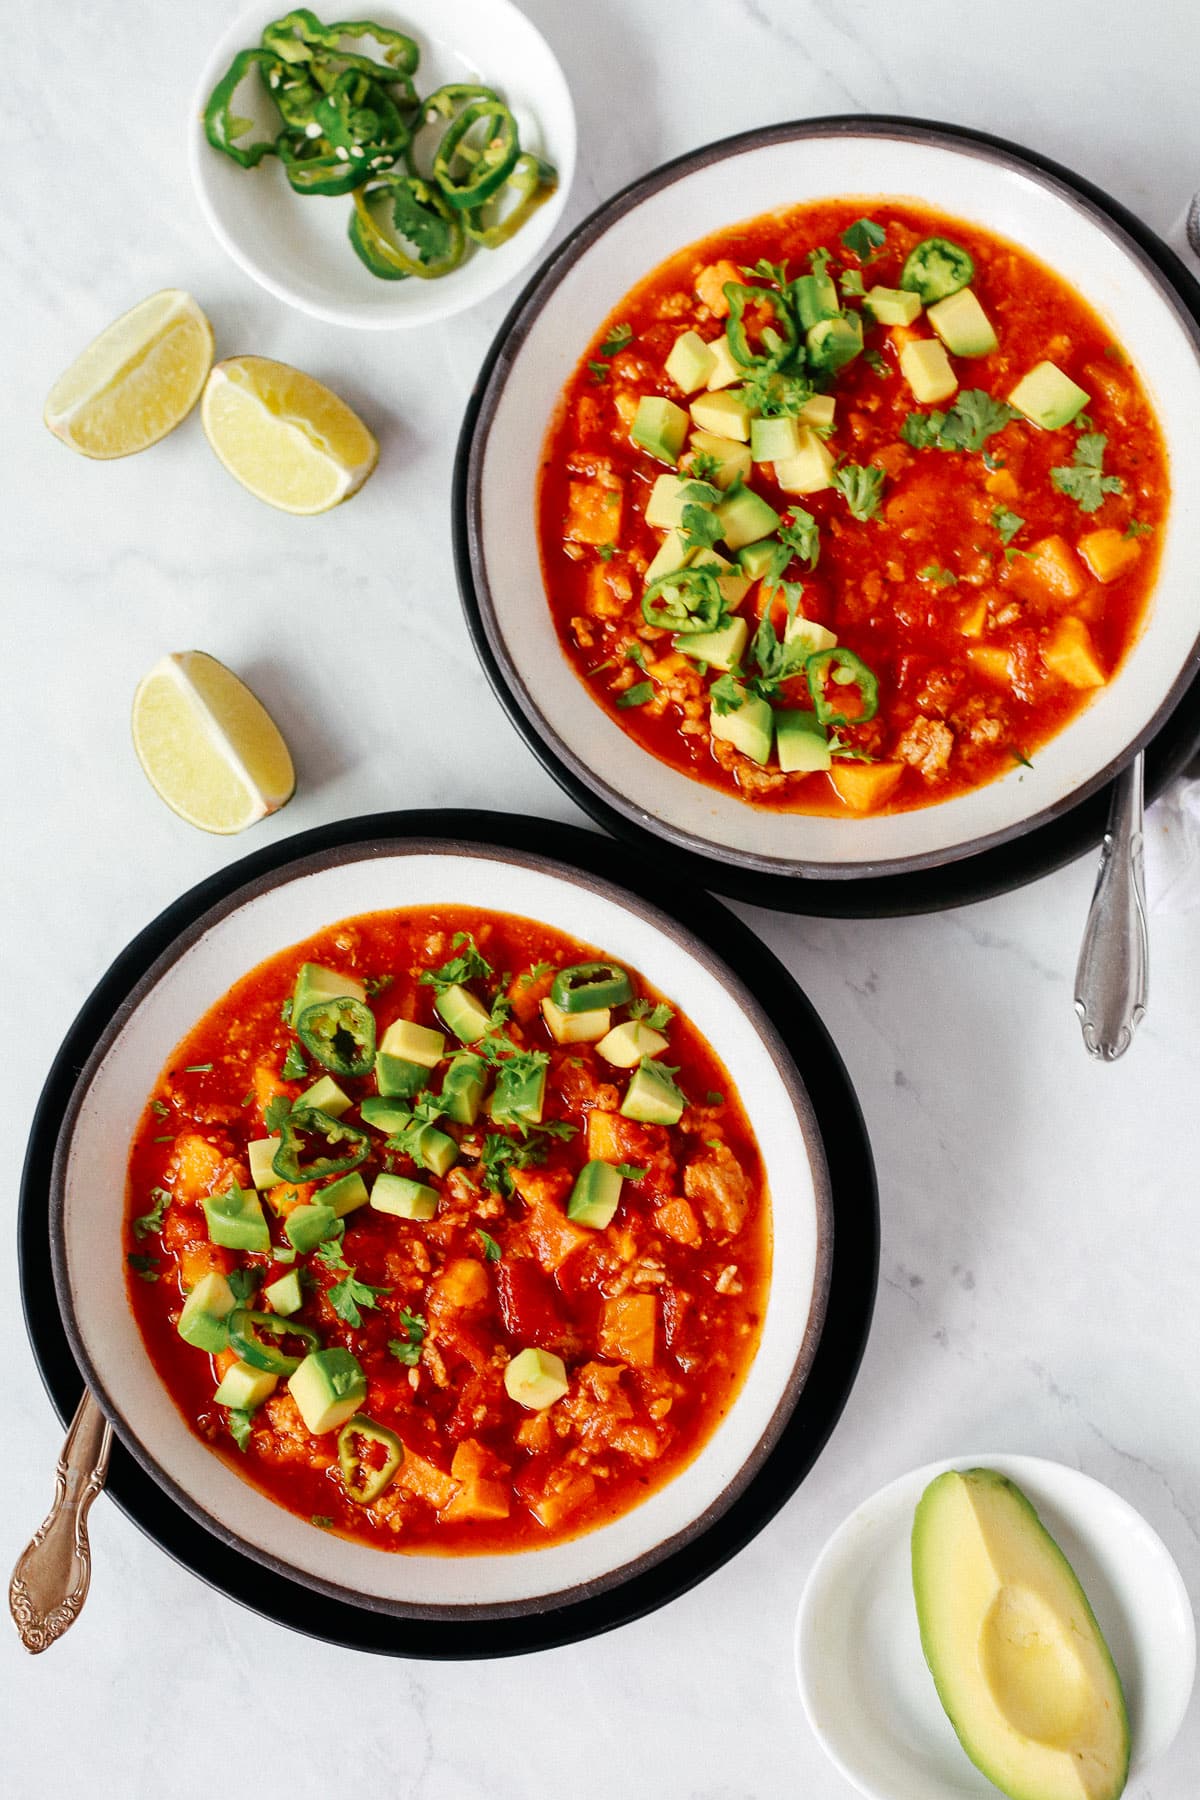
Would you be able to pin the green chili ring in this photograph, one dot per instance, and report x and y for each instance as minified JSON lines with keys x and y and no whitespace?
{"x":739,"y":297}
{"x":340,"y":1033}
{"x":846,"y":669}
{"x":313,"y":167}
{"x":445,"y":101}
{"x":382,"y":254}
{"x":362,"y":1481}
{"x":687,"y":601}
{"x":299,"y":35}
{"x":531,"y":178}
{"x":244,"y":1327}
{"x":310,"y":1121}
{"x":357,"y":116}
{"x":586,"y":987}
{"x":488,"y":165}
{"x":221,"y":127}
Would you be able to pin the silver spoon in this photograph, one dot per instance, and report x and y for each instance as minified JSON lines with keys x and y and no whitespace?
{"x":1112,"y":977}
{"x":50,"y":1582}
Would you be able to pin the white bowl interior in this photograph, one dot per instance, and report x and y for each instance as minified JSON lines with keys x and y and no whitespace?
{"x":296,"y":246}
{"x":863,"y":1680}
{"x":95,"y":1178}
{"x":1036,"y":213}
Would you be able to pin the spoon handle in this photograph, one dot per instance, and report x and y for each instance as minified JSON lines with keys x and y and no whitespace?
{"x":1112,"y":977}
{"x":50,"y":1582}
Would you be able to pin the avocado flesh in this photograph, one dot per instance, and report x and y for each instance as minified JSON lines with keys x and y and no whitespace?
{"x":1018,"y":1660}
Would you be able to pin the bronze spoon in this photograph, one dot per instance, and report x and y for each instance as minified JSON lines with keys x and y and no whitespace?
{"x":50,"y":1582}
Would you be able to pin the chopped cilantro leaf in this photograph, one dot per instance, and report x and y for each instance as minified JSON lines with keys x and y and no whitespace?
{"x":864,"y":238}
{"x":874,"y":361}
{"x":920,"y":429}
{"x":285,"y":1011}
{"x":701,"y":527}
{"x":322,"y":1521}
{"x":862,"y":488}
{"x":618,"y":337}
{"x":637,"y":695}
{"x":635,"y":654}
{"x":330,"y":1253}
{"x":769,"y":271}
{"x":503,"y":1154}
{"x":1020,"y":757}
{"x":973,"y":418}
{"x":599,"y":372}
{"x":151,"y":1221}
{"x":160,"y":1109}
{"x":144,"y":1267}
{"x":1136,"y":529}
{"x":294,"y":1066}
{"x":653,"y":1016}
{"x":704,"y":466}
{"x":534,"y":973}
{"x":378,"y":984}
{"x":606,"y":552}
{"x":818,"y":259}
{"x":1084,"y":481}
{"x":198,"y":1069}
{"x":243,"y":1283}
{"x":407,"y":1350}
{"x":277,"y":1110}
{"x":239,"y":1426}
{"x":851,"y":284}
{"x":937,"y":575}
{"x":491,"y":1249}
{"x":1006,"y":523}
{"x":468,"y":965}
{"x":631,"y":1172}
{"x":349,"y":1294}
{"x":726,"y":695}
{"x":712,"y":1098}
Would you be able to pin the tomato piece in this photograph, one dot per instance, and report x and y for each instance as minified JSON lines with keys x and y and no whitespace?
{"x":529,"y":1302}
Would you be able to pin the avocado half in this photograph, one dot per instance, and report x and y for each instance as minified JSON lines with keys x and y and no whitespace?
{"x":1019,"y":1662}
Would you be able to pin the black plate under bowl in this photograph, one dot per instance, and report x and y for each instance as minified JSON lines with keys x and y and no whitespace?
{"x":1036,"y":851}
{"x":851,"y":1297}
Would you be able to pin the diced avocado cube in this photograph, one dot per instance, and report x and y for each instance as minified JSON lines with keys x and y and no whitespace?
{"x":466,"y":1016}
{"x":748,"y":728}
{"x":575,"y":1027}
{"x":652,"y":1096}
{"x":243,"y":1388}
{"x":315,"y":983}
{"x":285,"y":1296}
{"x":756,"y":559}
{"x":433,"y":1149}
{"x":673,"y":554}
{"x":724,"y":413}
{"x":261,"y":1157}
{"x":819,"y":411}
{"x":236,"y":1220}
{"x":659,"y":428}
{"x":202,"y":1321}
{"x":387,"y":1115}
{"x":627,"y":1043}
{"x":1048,"y":397}
{"x":726,"y":367}
{"x":328,"y":1387}
{"x":893,"y":306}
{"x":519,"y":1102}
{"x":720,"y":649}
{"x":816,"y":298}
{"x":345,"y":1195}
{"x":596,"y":1195}
{"x":415,"y":1043}
{"x":308,"y":1226}
{"x":732,"y":460}
{"x":691,"y":362}
{"x":745,"y":516}
{"x":774,"y":440}
{"x":926,"y":368}
{"x":962,"y":325}
{"x":807,"y":632}
{"x":832,"y":343}
{"x":535,"y":1379}
{"x":327,"y":1097}
{"x":397,"y":1078}
{"x":403,"y":1197}
{"x":801,"y":743}
{"x":464,"y":1088}
{"x":810,"y":470}
{"x":664,"y":508}
{"x":732,"y":580}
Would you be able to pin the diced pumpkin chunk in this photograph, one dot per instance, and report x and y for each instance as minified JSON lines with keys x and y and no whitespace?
{"x":463,"y":1283}
{"x":200,"y":1164}
{"x":865,"y":787}
{"x":972,"y":617}
{"x":710,"y":286}
{"x":565,"y":1491}
{"x":1001,"y":483}
{"x":197,"y":1260}
{"x":426,"y":1480}
{"x":627,"y":1329}
{"x":1070,"y":654}
{"x":990,"y":661}
{"x":1108,"y":553}
{"x":594,"y":511}
{"x":676,"y":1220}
{"x":479,"y":1499}
{"x":1056,"y":567}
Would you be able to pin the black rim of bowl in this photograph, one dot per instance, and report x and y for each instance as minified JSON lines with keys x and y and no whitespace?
{"x":917,"y":884}
{"x":292,"y":1601}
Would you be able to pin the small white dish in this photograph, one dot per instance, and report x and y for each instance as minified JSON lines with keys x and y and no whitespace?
{"x":296,"y":246}
{"x":868,"y":1694}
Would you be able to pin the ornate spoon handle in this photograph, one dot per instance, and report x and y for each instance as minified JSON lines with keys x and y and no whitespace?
{"x":50,"y":1582}
{"x":1113,"y":974}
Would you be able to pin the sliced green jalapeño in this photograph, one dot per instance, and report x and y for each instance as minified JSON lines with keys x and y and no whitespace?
{"x":246,"y":1329}
{"x":368,"y":1456}
{"x":469,"y":169}
{"x":778,"y":339}
{"x":687,"y":601}
{"x":586,"y":987}
{"x":841,"y":669}
{"x":307,"y":1129}
{"x":340,"y":1034}
{"x":222,"y":127}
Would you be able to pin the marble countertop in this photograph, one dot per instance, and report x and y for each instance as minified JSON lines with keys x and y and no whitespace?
{"x":1041,"y":1229}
